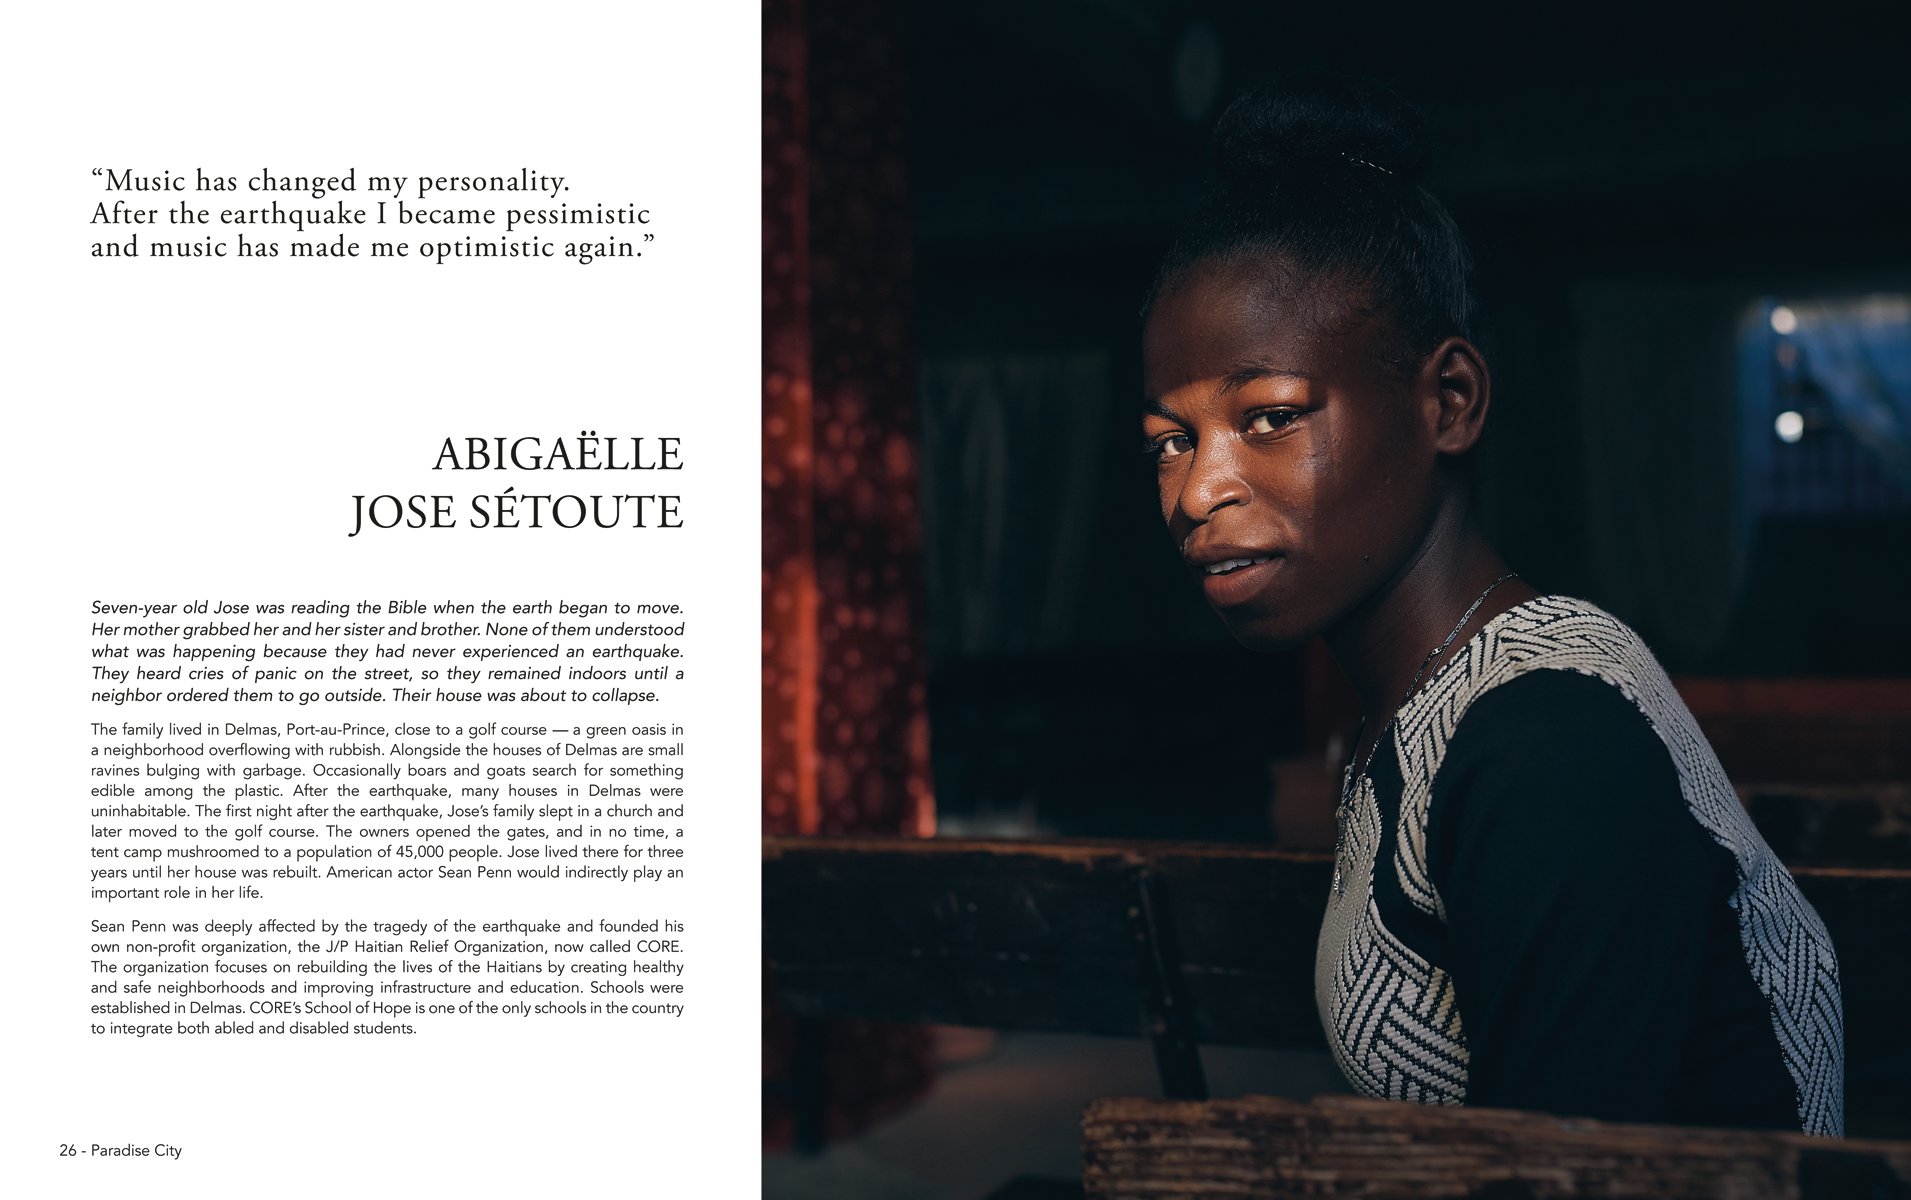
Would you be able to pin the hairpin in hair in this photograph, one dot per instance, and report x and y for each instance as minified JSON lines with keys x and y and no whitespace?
{"x":1363,"y":162}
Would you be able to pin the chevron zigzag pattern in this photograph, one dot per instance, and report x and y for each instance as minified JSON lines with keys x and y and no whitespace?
{"x":1390,"y":1015}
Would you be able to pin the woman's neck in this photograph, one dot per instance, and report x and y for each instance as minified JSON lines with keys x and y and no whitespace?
{"x":1384,"y":641}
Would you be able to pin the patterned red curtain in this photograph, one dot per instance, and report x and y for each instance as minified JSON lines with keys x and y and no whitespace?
{"x":845,"y":732}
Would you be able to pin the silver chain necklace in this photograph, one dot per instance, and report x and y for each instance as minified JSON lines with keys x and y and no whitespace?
{"x":1350,"y":777}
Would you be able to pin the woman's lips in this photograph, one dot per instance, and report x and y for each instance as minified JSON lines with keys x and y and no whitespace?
{"x":1229,"y":584}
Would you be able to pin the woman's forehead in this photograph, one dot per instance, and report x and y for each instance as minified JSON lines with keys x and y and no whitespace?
{"x":1227,"y":318}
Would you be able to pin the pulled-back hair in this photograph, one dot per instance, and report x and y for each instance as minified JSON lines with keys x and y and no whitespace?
{"x":1316,"y":177}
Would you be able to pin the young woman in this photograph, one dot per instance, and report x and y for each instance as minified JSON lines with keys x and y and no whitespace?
{"x":1546,"y":893}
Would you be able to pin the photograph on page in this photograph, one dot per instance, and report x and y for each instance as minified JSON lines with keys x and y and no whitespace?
{"x":1332,"y":600}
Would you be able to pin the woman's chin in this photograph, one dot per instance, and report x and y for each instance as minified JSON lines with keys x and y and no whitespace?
{"x":1268,"y":634}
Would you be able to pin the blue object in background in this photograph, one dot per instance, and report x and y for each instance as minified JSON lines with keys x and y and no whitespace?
{"x":1825,"y":398}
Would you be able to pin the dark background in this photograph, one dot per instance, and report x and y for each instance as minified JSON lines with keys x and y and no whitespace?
{"x":1634,"y":183}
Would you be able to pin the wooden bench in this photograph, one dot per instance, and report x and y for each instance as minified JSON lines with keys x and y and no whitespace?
{"x":1139,"y":1149}
{"x":1180,"y":944}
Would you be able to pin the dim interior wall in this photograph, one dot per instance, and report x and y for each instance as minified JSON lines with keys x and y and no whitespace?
{"x":1606,"y":474}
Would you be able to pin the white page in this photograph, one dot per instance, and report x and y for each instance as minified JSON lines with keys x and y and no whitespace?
{"x":196,"y":429}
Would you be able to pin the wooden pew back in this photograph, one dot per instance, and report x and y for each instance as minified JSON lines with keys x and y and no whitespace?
{"x":1181,"y":944}
{"x":1142,"y":1149}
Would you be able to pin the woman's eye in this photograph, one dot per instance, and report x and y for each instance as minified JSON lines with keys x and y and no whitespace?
{"x":1170,"y":445}
{"x":1271,"y":421}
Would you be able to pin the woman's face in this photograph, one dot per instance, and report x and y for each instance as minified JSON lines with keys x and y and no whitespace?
{"x":1297,"y":469}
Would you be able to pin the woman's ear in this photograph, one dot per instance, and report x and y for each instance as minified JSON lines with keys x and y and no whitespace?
{"x":1458,"y":389}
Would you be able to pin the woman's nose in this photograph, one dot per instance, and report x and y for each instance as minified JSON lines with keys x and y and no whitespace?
{"x":1213,"y":482}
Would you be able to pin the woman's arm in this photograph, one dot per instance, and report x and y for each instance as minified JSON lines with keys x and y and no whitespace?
{"x":1584,"y":903}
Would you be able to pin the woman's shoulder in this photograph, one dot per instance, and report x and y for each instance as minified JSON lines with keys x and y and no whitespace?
{"x":1555,"y":632}
{"x":1619,"y":678}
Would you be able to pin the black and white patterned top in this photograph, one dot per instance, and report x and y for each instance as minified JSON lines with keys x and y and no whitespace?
{"x":1553,"y":899}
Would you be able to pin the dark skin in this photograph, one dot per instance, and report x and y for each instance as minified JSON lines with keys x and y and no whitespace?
{"x":1295,"y":454}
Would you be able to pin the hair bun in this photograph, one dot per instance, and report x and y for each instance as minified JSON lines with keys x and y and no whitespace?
{"x":1271,"y":130}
